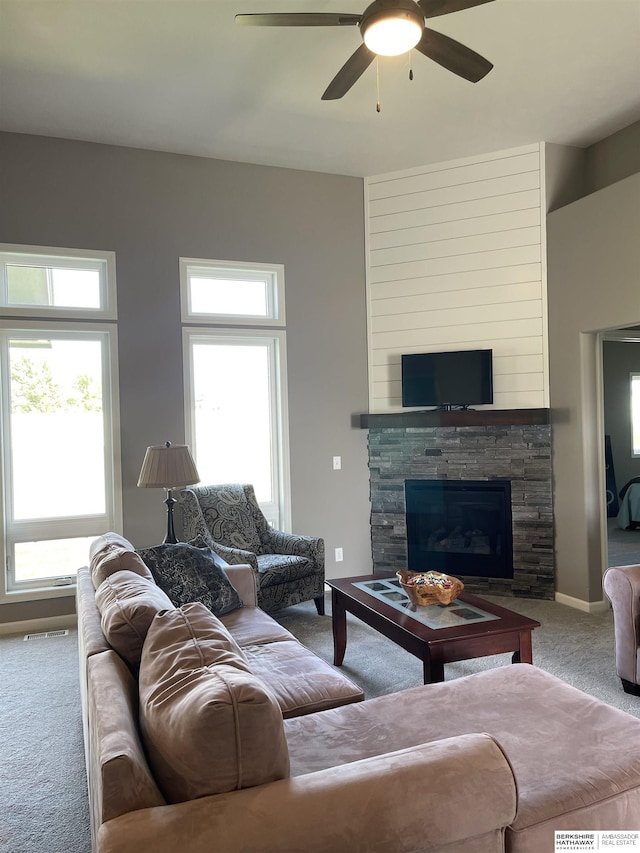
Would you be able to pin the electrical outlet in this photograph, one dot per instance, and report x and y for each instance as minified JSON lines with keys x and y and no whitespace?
{"x":337,"y":463}
{"x":339,"y":555}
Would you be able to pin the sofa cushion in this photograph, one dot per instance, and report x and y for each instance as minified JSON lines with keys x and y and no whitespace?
{"x":189,"y":574}
{"x":127,"y":604}
{"x":112,"y":553}
{"x":208,"y":724}
{"x":109,"y":539}
{"x":251,"y":626}
{"x":302,"y":682}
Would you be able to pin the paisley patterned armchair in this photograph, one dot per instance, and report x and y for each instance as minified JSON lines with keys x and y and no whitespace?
{"x":289,"y":569}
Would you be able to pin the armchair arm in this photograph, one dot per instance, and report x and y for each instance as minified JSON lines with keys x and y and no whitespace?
{"x":622,"y":586}
{"x":312,"y":547}
{"x":231,"y":556}
{"x":415,"y":799}
{"x":235,"y":556}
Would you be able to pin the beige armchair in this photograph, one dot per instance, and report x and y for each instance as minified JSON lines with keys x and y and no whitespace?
{"x":227,"y":518}
{"x":622,"y":587}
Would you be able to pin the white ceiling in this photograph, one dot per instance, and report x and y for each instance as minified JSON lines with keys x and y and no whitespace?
{"x":179,"y":75}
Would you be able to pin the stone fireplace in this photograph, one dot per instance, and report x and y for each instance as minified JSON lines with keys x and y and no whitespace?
{"x":512,"y":447}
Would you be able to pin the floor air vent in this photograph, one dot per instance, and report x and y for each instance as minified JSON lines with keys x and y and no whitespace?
{"x":47,"y":635}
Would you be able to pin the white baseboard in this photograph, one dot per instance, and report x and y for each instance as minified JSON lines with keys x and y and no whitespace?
{"x":28,"y":626}
{"x":579,"y":604}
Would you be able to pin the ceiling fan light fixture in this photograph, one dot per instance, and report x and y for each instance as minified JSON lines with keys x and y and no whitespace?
{"x":392,"y":33}
{"x":388,"y":28}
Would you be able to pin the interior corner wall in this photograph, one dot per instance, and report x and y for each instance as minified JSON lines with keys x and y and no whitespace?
{"x":593,"y":262}
{"x":614,"y":158}
{"x":151,"y":208}
{"x":565,"y":168}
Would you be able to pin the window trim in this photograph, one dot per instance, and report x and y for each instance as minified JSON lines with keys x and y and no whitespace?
{"x":10,"y":590}
{"x":73,"y":257}
{"x":280,"y":411}
{"x":241,"y":270}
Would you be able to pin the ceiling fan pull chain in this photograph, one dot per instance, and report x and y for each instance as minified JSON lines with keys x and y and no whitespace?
{"x":410,"y":65}
{"x":377,"y":85}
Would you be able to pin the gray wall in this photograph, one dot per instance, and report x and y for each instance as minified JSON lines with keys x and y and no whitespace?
{"x":572,"y":173}
{"x":565,"y":174}
{"x":151,"y":208}
{"x":614,"y":158}
{"x":593,"y":260}
{"x":619,"y":359}
{"x":593,"y":273}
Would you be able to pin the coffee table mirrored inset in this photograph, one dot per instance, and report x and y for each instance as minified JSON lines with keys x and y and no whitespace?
{"x":469,"y":627}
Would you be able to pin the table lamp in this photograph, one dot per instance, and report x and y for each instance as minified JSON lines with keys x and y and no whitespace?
{"x":168,"y":466}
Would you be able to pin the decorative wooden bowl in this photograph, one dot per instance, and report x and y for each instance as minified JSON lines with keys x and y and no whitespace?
{"x":425,"y":588}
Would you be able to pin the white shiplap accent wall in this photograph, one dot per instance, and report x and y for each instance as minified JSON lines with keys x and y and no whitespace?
{"x":455,"y":260}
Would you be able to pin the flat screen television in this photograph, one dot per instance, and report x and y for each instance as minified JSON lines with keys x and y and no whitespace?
{"x":448,"y":379}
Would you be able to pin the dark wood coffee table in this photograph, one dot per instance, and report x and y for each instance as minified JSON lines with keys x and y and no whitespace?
{"x":500,"y":630}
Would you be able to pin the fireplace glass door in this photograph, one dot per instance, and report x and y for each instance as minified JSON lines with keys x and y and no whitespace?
{"x":462,"y":527}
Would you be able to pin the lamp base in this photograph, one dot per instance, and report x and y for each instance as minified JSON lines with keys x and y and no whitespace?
{"x":170,"y":538}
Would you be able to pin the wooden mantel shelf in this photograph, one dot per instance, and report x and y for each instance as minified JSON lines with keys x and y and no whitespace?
{"x":469,"y":417}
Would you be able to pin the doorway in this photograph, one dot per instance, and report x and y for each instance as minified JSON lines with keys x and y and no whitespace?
{"x":620,"y":359}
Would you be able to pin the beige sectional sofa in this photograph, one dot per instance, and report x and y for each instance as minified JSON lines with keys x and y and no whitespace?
{"x":210,"y":739}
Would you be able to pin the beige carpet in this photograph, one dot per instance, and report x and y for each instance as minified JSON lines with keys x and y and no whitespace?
{"x":43,"y":788}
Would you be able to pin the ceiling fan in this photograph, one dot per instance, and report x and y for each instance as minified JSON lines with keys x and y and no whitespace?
{"x":388,"y":28}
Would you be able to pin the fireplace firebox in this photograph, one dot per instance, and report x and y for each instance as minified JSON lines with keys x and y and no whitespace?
{"x":462,"y":527}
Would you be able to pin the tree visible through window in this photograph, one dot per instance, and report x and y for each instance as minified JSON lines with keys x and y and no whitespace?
{"x":35,"y":390}
{"x":57,"y":429}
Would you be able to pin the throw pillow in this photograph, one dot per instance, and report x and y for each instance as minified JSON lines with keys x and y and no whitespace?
{"x":188,"y":574}
{"x":208,"y":724}
{"x":127,"y":605}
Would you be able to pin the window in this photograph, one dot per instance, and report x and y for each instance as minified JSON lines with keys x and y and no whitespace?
{"x":235,"y":380}
{"x":635,"y":414}
{"x":58,"y":407}
{"x":55,"y":282}
{"x":223,"y":292}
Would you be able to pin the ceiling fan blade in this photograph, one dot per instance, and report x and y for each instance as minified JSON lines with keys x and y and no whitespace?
{"x":453,"y":56}
{"x":434,"y":8}
{"x":298,"y":19}
{"x":351,"y":71}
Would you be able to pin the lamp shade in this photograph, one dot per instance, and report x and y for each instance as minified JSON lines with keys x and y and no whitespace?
{"x":168,"y":466}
